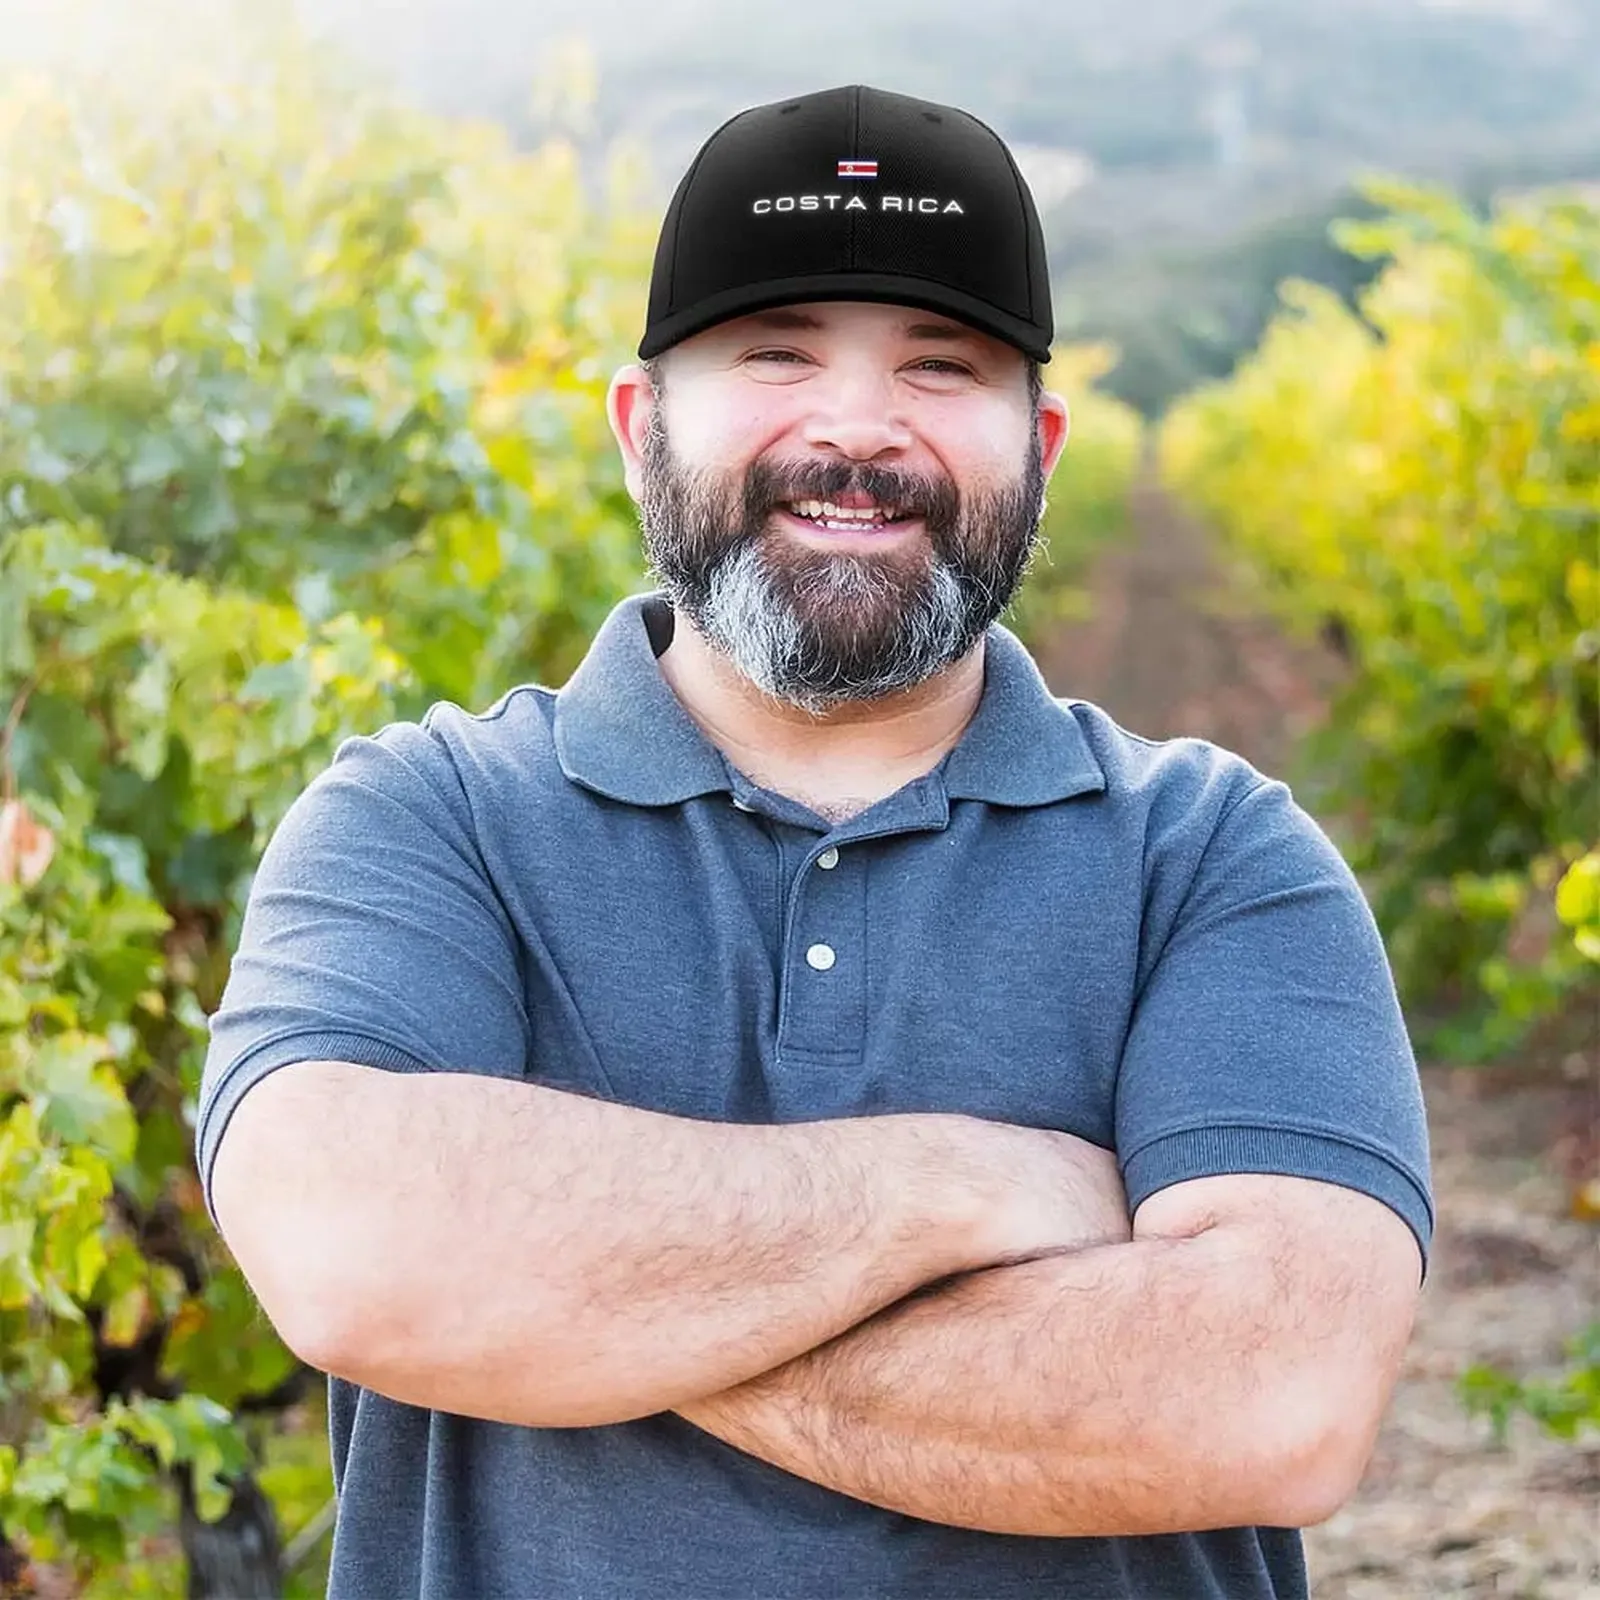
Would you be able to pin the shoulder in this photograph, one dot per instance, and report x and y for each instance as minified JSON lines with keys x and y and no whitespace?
{"x":455,"y":753}
{"x":450,"y":772}
{"x":1202,"y":817}
{"x":509,"y":742}
{"x":1186,"y":784}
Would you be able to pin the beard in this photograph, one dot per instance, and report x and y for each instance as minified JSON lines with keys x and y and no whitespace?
{"x":818,"y":629}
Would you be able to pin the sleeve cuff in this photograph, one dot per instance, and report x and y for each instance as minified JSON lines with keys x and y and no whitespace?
{"x":266,"y":1058}
{"x":1210,"y":1152}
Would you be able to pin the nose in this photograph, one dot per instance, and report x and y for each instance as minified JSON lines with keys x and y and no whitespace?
{"x":857,"y":412}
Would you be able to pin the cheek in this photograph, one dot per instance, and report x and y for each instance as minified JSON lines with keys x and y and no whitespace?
{"x":977,"y":436}
{"x":993,"y":444}
{"x":731,"y":433}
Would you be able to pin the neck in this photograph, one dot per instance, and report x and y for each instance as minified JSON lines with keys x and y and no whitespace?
{"x":856,"y":747}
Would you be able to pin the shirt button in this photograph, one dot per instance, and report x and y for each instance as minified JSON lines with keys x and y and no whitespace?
{"x":829,"y":859}
{"x":739,"y":805}
{"x":820,"y":956}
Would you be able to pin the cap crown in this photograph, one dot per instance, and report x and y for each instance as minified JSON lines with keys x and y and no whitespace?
{"x":850,"y":193}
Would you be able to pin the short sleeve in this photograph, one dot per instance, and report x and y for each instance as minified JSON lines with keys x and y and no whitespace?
{"x":1268,"y":1036}
{"x":372,"y":934}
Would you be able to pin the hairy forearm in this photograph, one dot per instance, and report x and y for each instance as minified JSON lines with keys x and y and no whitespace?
{"x":1151,"y":1387}
{"x":504,"y":1250}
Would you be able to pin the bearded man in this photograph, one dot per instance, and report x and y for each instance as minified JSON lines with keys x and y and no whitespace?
{"x":802,"y":1112}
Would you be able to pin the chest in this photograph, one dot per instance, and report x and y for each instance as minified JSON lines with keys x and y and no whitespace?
{"x":756,"y":973}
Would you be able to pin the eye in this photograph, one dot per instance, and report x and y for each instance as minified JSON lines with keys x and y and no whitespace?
{"x":940,"y":366}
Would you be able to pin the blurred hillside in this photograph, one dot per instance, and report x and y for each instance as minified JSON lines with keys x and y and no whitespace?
{"x":1187,"y":154}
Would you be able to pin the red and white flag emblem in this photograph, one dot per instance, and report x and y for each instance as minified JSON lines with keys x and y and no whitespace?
{"x":858,"y":169}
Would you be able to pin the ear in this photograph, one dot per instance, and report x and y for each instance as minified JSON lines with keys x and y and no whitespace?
{"x":1054,"y":424}
{"x":629,"y":402}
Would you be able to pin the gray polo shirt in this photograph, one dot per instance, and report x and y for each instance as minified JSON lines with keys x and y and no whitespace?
{"x":1062,"y":925}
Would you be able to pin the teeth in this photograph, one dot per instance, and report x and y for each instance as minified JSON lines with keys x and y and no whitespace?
{"x":827,"y":510}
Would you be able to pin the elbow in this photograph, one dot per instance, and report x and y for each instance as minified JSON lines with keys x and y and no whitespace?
{"x":354,"y":1324}
{"x":1311,"y":1493}
{"x":321,"y":1326}
{"x":316,"y":1286}
{"x":319,"y":1268}
{"x":316,"y":1308}
{"x":1317,"y":1468}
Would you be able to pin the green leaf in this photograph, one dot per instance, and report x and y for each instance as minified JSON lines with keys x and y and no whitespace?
{"x":78,"y":1100}
{"x":1578,"y":903}
{"x":19,"y":1283}
{"x":89,"y":1259}
{"x":156,"y":456}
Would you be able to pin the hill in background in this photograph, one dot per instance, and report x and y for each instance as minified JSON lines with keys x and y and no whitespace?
{"x":1186,"y":154}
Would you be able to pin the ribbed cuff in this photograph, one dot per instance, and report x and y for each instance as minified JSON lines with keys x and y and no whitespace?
{"x":265,"y":1058}
{"x":1216,"y":1151}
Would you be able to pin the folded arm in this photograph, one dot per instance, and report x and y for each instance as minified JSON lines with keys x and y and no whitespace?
{"x":463,"y":1236}
{"x":1228,"y":1367}
{"x":509,"y":1251}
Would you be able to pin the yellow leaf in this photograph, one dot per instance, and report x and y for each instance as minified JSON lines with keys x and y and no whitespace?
{"x":88,"y":1262}
{"x":126,"y":1316}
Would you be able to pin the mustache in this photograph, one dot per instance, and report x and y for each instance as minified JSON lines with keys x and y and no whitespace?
{"x":767,"y":483}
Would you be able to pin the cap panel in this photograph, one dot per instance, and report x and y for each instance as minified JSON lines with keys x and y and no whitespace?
{"x":756,"y":208}
{"x":1041,"y":310}
{"x":663,"y":269}
{"x":944,"y":202}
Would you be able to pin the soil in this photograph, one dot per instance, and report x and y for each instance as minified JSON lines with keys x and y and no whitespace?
{"x":1172,"y":647}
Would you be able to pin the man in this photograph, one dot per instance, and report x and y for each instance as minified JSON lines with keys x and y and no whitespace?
{"x":695,"y":1115}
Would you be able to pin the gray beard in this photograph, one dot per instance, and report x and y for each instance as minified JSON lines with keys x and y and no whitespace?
{"x":767,"y":639}
{"x":820,"y":630}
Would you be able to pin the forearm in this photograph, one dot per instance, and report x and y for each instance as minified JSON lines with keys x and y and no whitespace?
{"x":507,"y":1251}
{"x":1111,"y":1392}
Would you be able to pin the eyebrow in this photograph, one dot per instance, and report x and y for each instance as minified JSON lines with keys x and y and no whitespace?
{"x":944,"y":332}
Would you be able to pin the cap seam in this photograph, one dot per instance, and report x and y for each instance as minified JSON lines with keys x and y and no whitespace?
{"x":1027,"y":241}
{"x":1022,"y":203}
{"x":855,"y":153}
{"x":686,"y":189}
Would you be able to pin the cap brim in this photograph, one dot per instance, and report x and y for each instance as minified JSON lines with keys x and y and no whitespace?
{"x":880,"y":287}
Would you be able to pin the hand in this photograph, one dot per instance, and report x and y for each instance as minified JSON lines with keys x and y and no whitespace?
{"x":1044,"y":1193}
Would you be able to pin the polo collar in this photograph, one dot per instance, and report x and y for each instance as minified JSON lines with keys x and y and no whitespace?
{"x":622,"y":732}
{"x":1023,"y":747}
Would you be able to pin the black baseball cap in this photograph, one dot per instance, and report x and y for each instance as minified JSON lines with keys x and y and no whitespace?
{"x":852,"y":193}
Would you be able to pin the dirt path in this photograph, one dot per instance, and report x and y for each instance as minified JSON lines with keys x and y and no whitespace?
{"x":1169,"y":647}
{"x":1442,"y":1512}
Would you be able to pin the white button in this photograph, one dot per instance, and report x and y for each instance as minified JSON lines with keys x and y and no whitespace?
{"x":820,"y":956}
{"x":829,"y":859}
{"x":739,"y":805}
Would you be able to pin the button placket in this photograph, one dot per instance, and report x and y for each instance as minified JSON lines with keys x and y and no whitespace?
{"x":821,"y":957}
{"x":824,"y":1008}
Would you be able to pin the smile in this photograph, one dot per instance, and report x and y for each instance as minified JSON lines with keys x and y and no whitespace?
{"x":825,"y":516}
